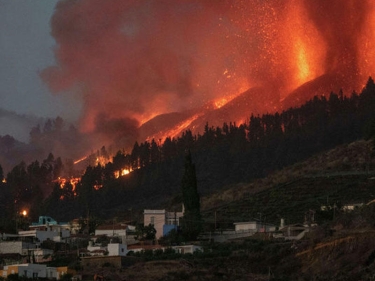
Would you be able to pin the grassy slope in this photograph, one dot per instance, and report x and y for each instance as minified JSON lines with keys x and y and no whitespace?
{"x":342,"y":175}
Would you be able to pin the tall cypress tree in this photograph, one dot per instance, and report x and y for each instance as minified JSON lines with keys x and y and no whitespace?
{"x":192,"y":222}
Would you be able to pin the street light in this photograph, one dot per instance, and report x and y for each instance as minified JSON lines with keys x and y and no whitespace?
{"x":19,"y":216}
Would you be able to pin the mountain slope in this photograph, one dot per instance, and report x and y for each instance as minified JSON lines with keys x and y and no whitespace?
{"x":343,"y":174}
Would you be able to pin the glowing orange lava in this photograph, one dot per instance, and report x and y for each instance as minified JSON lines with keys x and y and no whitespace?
{"x":80,"y":160}
{"x":177,"y":130}
{"x":304,"y":49}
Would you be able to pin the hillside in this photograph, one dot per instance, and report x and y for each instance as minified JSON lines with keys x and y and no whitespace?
{"x":340,"y":248}
{"x":338,"y":176}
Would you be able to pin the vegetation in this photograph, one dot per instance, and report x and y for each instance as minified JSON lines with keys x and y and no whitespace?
{"x":223,"y":156}
{"x":191,"y":221}
{"x":341,"y":247}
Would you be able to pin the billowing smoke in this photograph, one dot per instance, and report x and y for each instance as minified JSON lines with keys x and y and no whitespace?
{"x":138,"y":58}
{"x":120,"y":132}
{"x":132,"y":60}
{"x":341,"y":25}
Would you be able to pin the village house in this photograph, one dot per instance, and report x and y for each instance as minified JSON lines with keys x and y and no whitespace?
{"x":111,"y":249}
{"x":47,"y":228}
{"x":30,"y":270}
{"x":254,"y":227}
{"x":28,"y":251}
{"x":182,"y":249}
{"x":162,"y":221}
{"x":122,"y":231}
{"x":118,"y":229}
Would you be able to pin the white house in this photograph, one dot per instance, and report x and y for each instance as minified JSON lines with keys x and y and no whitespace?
{"x":25,"y":249}
{"x":182,"y":249}
{"x":31,"y":270}
{"x":118,"y":229}
{"x":47,"y":228}
{"x":254,"y":226}
{"x":96,"y":250}
{"x":162,"y":220}
{"x":42,"y":235}
{"x":117,"y":249}
{"x":16,"y":247}
{"x":112,"y":249}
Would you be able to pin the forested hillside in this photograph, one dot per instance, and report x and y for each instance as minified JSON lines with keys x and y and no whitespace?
{"x":223,"y":156}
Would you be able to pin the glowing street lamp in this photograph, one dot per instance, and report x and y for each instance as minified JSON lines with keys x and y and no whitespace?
{"x":19,"y":216}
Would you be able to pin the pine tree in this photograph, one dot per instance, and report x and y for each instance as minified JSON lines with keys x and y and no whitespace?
{"x":191,"y":222}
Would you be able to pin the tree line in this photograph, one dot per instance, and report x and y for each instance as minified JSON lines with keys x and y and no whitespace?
{"x":223,"y":155}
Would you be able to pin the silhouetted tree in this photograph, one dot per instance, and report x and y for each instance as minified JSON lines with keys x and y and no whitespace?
{"x":154,"y":152}
{"x":192,"y":222}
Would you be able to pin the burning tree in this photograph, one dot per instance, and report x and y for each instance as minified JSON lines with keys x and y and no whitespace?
{"x":191,"y":222}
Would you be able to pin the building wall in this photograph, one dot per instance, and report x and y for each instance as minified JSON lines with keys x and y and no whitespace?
{"x":254,"y":226}
{"x":42,"y":255}
{"x":168,"y":228}
{"x":246,"y":226}
{"x":15,"y":247}
{"x":9,"y":269}
{"x":115,"y":249}
{"x":51,"y":273}
{"x":187,"y":249}
{"x":174,"y":218}
{"x":29,"y":269}
{"x":157,"y":218}
{"x":61,"y":271}
{"x":110,"y":232}
{"x":56,"y":235}
{"x":32,"y":270}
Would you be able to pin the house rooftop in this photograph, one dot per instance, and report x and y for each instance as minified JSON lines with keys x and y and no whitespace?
{"x":154,"y":211}
{"x":116,"y":226}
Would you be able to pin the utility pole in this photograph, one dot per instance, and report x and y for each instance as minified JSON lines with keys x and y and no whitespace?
{"x":215,"y":221}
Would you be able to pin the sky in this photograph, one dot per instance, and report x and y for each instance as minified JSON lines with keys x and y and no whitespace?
{"x":26,"y":48}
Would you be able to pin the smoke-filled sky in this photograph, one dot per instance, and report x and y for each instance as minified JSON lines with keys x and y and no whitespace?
{"x":25,"y":50}
{"x":112,"y":65}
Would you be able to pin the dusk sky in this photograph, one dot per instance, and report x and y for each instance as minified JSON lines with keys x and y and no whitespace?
{"x":26,"y":48}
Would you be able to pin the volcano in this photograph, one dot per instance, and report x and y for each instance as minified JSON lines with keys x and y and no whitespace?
{"x":323,"y":85}
{"x":254,"y":101}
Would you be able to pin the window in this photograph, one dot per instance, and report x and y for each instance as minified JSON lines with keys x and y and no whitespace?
{"x":152,"y":220}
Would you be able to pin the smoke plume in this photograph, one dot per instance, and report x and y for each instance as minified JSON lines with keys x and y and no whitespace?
{"x":132,"y":60}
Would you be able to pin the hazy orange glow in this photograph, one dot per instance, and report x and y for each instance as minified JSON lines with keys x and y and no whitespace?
{"x":133,"y":60}
{"x":222,"y":101}
{"x":366,"y":45}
